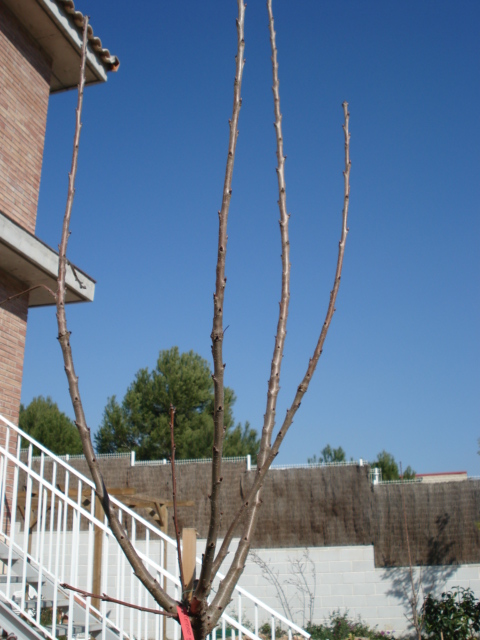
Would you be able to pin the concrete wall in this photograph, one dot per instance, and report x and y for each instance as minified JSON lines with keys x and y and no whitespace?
{"x":345,"y":578}
{"x":338,"y":578}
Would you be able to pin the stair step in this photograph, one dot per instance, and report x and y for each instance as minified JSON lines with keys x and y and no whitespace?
{"x":17,"y":563}
{"x":13,"y":579}
{"x":32,"y":579}
{"x":49,"y":587}
{"x":32,"y":603}
{"x":4,"y":556}
{"x":95,"y":630}
{"x":76,"y":628}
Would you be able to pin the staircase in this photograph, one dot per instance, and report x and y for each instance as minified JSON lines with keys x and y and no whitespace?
{"x":40,"y":594}
{"x":50,"y":534}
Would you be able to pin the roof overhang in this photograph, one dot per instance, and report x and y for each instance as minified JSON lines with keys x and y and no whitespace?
{"x":28,"y":259}
{"x":57,"y":29}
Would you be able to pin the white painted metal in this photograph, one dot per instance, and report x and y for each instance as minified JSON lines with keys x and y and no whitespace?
{"x":61,"y":549}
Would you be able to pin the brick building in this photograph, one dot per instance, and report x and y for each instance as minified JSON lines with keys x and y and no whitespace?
{"x":40,"y":47}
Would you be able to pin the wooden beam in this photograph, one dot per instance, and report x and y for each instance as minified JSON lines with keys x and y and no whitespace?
{"x":141,"y":500}
{"x":97,"y":554}
{"x":189,"y":554}
{"x":73,"y":493}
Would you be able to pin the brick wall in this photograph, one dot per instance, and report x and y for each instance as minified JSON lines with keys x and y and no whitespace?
{"x":24,"y":92}
{"x":13,"y":328}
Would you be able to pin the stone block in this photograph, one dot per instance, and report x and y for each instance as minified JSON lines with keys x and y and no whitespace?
{"x":363,"y":588}
{"x":353,"y":578}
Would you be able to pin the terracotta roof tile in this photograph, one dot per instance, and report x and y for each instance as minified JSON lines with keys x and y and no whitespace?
{"x":110,"y":62}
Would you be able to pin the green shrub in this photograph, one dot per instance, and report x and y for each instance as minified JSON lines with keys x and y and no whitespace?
{"x":456,"y":615}
{"x":266,"y":631}
{"x":341,"y":627}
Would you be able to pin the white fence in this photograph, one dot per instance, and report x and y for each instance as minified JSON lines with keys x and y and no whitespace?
{"x":50,"y":535}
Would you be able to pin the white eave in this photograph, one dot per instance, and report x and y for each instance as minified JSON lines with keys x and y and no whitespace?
{"x":32,"y":262}
{"x":56,"y":30}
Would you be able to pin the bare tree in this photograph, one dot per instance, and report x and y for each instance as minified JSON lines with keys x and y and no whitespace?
{"x":272,"y":577}
{"x":202,"y":614}
{"x":304,"y":588}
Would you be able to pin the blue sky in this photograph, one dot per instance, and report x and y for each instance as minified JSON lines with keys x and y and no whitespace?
{"x":400,"y":369}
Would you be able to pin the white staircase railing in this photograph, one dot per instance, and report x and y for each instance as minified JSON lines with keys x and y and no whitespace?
{"x":49,"y":534}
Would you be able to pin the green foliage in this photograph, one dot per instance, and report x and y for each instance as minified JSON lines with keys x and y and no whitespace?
{"x":341,"y":627}
{"x":241,"y":442}
{"x":265,"y":631}
{"x":328,"y":454}
{"x":44,"y":421}
{"x":46,"y":617}
{"x":456,"y":615}
{"x":409,"y":473}
{"x":386,"y":462}
{"x":141,"y":422}
{"x":390,"y":471}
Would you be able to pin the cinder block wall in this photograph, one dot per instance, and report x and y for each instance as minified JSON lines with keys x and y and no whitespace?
{"x":342,"y":579}
{"x":24,"y":91}
{"x":302,"y":584}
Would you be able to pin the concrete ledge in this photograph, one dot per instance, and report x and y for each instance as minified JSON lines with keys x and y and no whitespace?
{"x":55,"y":32}
{"x":28,"y":259}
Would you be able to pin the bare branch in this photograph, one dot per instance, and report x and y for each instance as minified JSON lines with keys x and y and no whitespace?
{"x":205,"y":616}
{"x":238,"y":563}
{"x":107,"y":598}
{"x":204,"y":582}
{"x":23,"y":293}
{"x":75,"y":275}
{"x":64,"y":339}
{"x":272,"y":577}
{"x":276,"y":364}
{"x":274,"y":382}
{"x":174,"y":495}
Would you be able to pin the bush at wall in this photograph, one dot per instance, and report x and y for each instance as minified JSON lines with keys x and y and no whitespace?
{"x":341,"y":627}
{"x":456,"y":615}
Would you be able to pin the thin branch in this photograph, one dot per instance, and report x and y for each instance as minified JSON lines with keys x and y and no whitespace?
{"x":22,"y":293}
{"x":238,"y":563}
{"x":118,"y":531}
{"x":272,"y":577}
{"x":274,"y":381}
{"x":75,"y":275}
{"x":204,"y":583}
{"x":174,"y":494}
{"x":107,"y":598}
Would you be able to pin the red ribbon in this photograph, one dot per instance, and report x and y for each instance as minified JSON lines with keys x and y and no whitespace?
{"x":185,"y":623}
